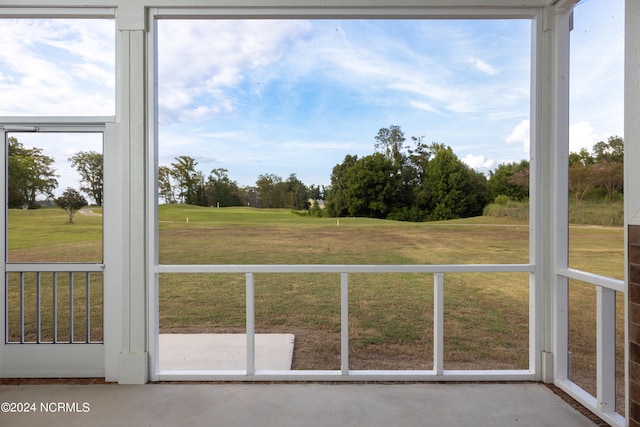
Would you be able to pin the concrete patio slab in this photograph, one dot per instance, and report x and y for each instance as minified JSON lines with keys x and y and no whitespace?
{"x":224,"y":351}
{"x":282,"y":405}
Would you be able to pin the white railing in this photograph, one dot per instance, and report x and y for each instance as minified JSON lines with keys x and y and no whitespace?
{"x":345,"y":374}
{"x":62,"y":275}
{"x":603,"y":403}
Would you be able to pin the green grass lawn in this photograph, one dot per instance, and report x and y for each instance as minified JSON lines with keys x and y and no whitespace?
{"x":391,"y":315}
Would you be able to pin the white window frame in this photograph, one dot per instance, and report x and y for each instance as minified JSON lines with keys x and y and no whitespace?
{"x":535,"y":15}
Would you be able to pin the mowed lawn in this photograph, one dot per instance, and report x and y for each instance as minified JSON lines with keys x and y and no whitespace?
{"x":391,"y":315}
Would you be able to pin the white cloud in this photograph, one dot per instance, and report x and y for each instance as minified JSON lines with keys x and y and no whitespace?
{"x":57,"y":67}
{"x":423,"y":106}
{"x":582,"y":135}
{"x":521,"y":134}
{"x":200,"y":60}
{"x":479,"y":162}
{"x":483,"y":67}
{"x":363,"y":57}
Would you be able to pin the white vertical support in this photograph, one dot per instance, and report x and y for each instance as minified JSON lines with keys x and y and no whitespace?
{"x":113,"y":235}
{"x":560,"y":189}
{"x":132,"y":114}
{"x":606,"y":349}
{"x":137,"y":195}
{"x":631,"y":158}
{"x":251,"y":325}
{"x":632,"y":112}
{"x":539,"y":325}
{"x":344,"y":323}
{"x":152,"y":199}
{"x":550,"y":151}
{"x":438,"y":323}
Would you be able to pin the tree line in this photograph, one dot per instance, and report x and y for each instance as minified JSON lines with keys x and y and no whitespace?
{"x":181,"y":182}
{"x":595,"y":173}
{"x":400,"y":180}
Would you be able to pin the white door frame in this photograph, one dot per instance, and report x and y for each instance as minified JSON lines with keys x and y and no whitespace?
{"x":24,"y":360}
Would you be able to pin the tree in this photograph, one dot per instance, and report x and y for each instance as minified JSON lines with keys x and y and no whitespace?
{"x":220,"y":190}
{"x":165,"y":186}
{"x":270,"y":190}
{"x":371,"y":185}
{"x":582,"y":179}
{"x":296,"y":192}
{"x":609,"y":177}
{"x":611,"y":151}
{"x":451,"y":189}
{"x":71,"y":201}
{"x":583,"y":158}
{"x":511,"y":180}
{"x":389,"y":141}
{"x":30,"y":174}
{"x":89,"y":165}
{"x":336,"y":204}
{"x":188,"y":181}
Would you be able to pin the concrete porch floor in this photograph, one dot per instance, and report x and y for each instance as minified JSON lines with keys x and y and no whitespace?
{"x":496,"y":405}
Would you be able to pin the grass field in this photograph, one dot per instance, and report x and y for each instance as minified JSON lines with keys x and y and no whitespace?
{"x":391,"y":315}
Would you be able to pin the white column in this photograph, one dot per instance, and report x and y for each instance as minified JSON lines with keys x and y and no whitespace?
{"x":131,"y":114}
{"x":549,"y":163}
{"x":632,"y":113}
{"x":631,"y":156}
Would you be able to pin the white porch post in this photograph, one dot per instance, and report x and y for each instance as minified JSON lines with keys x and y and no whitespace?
{"x":550,"y":149}
{"x":632,"y":210}
{"x":133,"y":360}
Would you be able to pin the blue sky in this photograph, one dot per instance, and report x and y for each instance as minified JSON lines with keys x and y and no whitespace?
{"x":296,"y":96}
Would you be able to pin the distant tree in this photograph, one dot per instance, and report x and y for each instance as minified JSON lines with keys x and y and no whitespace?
{"x":316,"y":192}
{"x":511,"y":180}
{"x":165,"y":186}
{"x":390,"y":142}
{"x":449,"y":186}
{"x":220,"y":190}
{"x":188,"y":181}
{"x":476,"y":193}
{"x":336,"y":202}
{"x":270,"y":190}
{"x":89,"y":165}
{"x":404,"y":182}
{"x":297,"y":193}
{"x":71,"y":201}
{"x":582,"y":157}
{"x":249,"y":196}
{"x":371,"y":185}
{"x":30,"y":174}
{"x":582,"y":179}
{"x":611,"y":151}
{"x":610,"y":177}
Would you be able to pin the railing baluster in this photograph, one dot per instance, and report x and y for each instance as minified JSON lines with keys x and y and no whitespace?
{"x":438,"y":323}
{"x":71,"y":314}
{"x":251,"y":350}
{"x":38,"y":316}
{"x":55,"y":307}
{"x":606,"y":349}
{"x":33,"y":324}
{"x":88,"y":281}
{"x":344,"y":323}
{"x":21,"y":307}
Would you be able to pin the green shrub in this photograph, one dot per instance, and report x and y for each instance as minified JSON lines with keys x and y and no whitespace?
{"x":507,"y":208}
